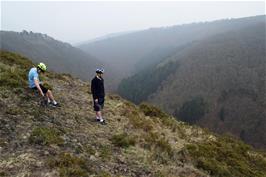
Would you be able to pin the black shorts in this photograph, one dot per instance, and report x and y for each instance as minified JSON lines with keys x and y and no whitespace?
{"x":99,"y":105}
{"x":44,"y":90}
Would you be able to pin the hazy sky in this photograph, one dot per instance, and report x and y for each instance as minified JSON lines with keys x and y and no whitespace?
{"x":80,"y":21}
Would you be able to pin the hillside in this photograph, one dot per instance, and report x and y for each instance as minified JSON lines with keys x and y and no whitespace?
{"x":129,"y":53}
{"x":137,"y":140}
{"x":218,"y":83}
{"x":42,"y":48}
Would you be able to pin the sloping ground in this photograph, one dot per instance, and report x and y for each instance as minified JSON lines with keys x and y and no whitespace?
{"x":137,"y":141}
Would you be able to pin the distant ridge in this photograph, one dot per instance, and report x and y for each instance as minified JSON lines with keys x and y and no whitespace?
{"x":107,"y":36}
{"x":127,"y":52}
{"x":59,"y":56}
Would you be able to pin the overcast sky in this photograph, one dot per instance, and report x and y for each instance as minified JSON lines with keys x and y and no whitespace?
{"x":74,"y":22}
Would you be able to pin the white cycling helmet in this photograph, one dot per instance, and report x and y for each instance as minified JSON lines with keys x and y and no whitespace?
{"x":100,"y":71}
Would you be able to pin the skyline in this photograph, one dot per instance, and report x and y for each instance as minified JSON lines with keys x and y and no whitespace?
{"x":76,"y":22}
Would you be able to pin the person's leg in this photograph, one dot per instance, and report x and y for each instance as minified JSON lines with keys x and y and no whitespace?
{"x":98,"y":114}
{"x":97,"y":110}
{"x":48,"y":94}
{"x":101,"y":104}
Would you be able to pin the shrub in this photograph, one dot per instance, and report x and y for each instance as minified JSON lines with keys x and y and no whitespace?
{"x":69,"y":165}
{"x":90,"y":150}
{"x":141,"y":123}
{"x":105,"y":152}
{"x":164,"y":146}
{"x":161,"y":148}
{"x":13,"y":70}
{"x":151,"y":137}
{"x":226,"y":157}
{"x":45,"y":136}
{"x":151,"y":111}
{"x":123,"y":140}
{"x":192,"y":110}
{"x":12,"y":78}
{"x":13,"y":59}
{"x":163,"y":151}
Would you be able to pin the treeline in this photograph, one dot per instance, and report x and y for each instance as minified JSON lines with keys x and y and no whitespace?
{"x":140,"y":86}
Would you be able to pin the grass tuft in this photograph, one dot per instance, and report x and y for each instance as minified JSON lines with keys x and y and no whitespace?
{"x":45,"y":136}
{"x":105,"y":152}
{"x":227,"y":157}
{"x":69,"y":165}
{"x":151,"y":111}
{"x":123,"y":140}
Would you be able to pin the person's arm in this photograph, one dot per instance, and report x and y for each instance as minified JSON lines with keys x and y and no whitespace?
{"x":103,"y":89}
{"x":36,"y":82}
{"x":93,"y":91}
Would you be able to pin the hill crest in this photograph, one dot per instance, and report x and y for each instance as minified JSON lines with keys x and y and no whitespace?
{"x":43,"y":48}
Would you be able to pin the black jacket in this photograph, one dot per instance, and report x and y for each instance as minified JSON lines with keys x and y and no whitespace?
{"x":97,"y":88}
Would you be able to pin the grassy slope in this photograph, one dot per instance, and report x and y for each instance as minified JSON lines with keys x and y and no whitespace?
{"x":137,"y":141}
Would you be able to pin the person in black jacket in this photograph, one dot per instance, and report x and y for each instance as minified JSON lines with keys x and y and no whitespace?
{"x":98,"y":94}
